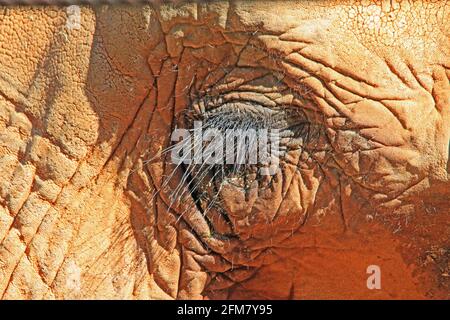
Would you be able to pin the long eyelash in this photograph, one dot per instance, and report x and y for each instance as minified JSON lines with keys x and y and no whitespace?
{"x":204,"y":182}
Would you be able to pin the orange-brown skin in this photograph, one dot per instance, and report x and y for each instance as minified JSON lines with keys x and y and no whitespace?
{"x":81,"y":110}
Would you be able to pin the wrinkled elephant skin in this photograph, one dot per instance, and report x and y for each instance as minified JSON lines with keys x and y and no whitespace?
{"x":90,"y":206}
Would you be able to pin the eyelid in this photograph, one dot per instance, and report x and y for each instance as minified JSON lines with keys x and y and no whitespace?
{"x":237,"y":106}
{"x":211,"y":102}
{"x":251,"y":110}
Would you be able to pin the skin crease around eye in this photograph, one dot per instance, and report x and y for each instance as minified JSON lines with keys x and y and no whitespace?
{"x":91,"y":205}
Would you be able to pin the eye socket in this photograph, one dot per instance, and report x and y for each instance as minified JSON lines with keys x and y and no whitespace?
{"x":286,"y":127}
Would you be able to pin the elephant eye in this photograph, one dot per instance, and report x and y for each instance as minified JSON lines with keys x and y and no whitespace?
{"x":239,"y":143}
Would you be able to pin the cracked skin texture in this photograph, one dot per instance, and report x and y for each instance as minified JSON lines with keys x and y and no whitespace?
{"x":81,"y":111}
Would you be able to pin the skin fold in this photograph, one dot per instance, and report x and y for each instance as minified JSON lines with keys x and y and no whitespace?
{"x":91,"y":207}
